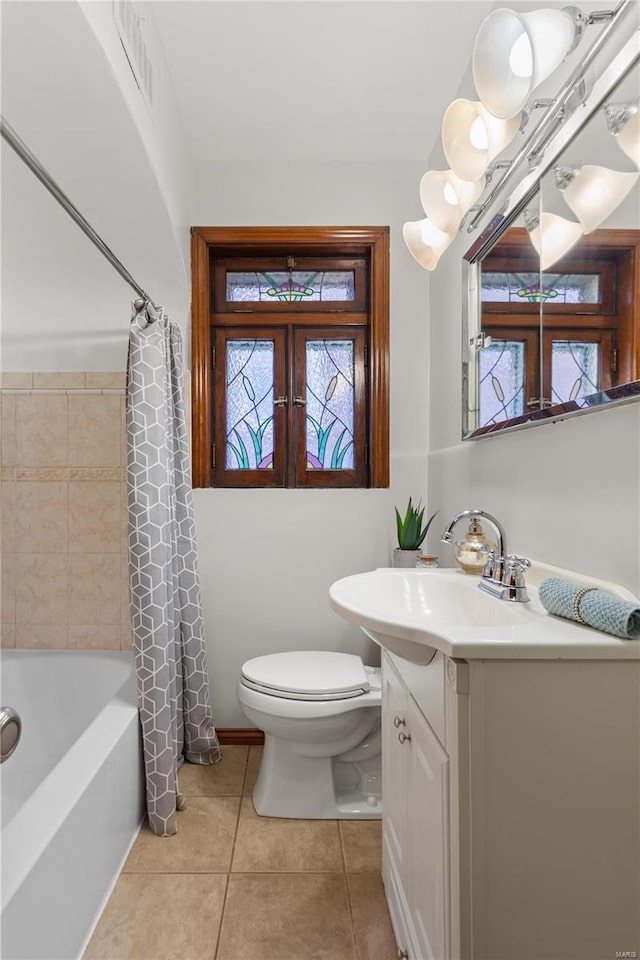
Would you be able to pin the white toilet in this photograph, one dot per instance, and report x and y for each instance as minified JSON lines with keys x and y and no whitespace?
{"x":320,"y":713}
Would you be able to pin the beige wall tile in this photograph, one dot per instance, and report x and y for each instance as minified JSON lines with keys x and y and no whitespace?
{"x":8,"y":514}
{"x":58,"y":381}
{"x":105,"y":381}
{"x":94,"y":431}
{"x":16,"y":381}
{"x":7,"y":635}
{"x":41,"y":474}
{"x":93,"y":637}
{"x":41,"y":636}
{"x":203,"y":843}
{"x":106,"y":474}
{"x":41,"y":588}
{"x":124,"y":518}
{"x":41,"y":431}
{"x":8,"y":588}
{"x":94,"y":517}
{"x":41,"y":517}
{"x":126,"y":639}
{"x":271,"y":917}
{"x":160,"y":918}
{"x":8,"y":423}
{"x":94,"y":588}
{"x":125,"y":599}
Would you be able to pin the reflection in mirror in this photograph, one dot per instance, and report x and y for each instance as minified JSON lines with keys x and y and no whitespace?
{"x":559,"y":292}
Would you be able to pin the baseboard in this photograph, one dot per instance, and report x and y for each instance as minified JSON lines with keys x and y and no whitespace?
{"x":240,"y":735}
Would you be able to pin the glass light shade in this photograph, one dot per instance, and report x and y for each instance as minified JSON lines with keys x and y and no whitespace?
{"x":446,"y":198}
{"x":593,"y":192}
{"x":514,"y":52}
{"x":551,"y":236}
{"x":425,"y":242}
{"x":472,"y":137}
{"x":623,"y":120}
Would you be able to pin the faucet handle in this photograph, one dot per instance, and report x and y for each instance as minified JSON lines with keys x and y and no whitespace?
{"x":515,"y":567}
{"x":489,"y":568}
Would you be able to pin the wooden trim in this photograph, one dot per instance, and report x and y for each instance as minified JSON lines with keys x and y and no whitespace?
{"x":235,"y":736}
{"x":279,"y":319}
{"x":350,"y":241}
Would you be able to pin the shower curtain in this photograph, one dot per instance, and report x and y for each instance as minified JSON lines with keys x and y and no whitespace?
{"x":171,"y":669}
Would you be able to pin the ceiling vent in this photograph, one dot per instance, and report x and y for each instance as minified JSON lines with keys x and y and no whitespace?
{"x":129,"y":24}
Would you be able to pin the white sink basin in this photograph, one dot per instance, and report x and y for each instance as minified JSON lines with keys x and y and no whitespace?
{"x":413,"y":613}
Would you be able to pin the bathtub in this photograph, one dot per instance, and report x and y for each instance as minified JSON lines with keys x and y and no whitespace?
{"x":72,"y":796}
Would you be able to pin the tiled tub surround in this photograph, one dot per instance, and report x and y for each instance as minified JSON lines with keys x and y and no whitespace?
{"x":64,"y":567}
{"x":234,"y":886}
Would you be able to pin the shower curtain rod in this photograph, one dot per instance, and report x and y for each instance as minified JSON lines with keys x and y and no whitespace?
{"x":47,"y":181}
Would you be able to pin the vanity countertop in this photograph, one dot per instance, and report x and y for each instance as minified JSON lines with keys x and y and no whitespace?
{"x":405,"y":610}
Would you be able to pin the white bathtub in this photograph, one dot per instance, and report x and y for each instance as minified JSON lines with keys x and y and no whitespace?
{"x":72,"y":796}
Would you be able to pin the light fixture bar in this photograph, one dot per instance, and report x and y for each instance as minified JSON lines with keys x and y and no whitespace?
{"x":555,"y":115}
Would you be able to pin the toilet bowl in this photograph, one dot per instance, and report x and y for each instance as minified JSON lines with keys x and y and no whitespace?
{"x":320,"y":713}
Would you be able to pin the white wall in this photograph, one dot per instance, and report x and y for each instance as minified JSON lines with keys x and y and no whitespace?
{"x":267,"y":557}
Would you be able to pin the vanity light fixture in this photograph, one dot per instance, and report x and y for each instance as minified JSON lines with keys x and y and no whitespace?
{"x":446,"y":198}
{"x":425,"y":242}
{"x":514,"y":52}
{"x":593,"y":192}
{"x":623,"y":121}
{"x":551,"y":236}
{"x":472,"y":137}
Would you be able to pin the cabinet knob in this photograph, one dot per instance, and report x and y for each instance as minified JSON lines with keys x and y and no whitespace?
{"x":403,"y":737}
{"x":399,"y":722}
{"x":402,"y":954}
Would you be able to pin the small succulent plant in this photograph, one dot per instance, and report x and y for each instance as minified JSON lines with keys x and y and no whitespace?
{"x":411,"y":532}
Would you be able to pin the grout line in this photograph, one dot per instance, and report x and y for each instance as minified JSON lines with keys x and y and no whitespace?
{"x":246,"y":771}
{"x":224,"y":904}
{"x":226,"y":886}
{"x":356,"y":952}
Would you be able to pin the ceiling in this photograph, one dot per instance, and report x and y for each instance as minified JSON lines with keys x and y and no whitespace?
{"x":314,"y":80}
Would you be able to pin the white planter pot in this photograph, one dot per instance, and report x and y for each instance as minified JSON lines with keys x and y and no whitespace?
{"x":405,"y":558}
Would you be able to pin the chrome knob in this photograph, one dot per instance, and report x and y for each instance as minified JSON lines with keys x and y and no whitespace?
{"x":403,"y":737}
{"x":399,"y":722}
{"x":10,"y":730}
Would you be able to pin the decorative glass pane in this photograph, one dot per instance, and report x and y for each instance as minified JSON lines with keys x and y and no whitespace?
{"x":291,"y":286}
{"x":574,"y":370}
{"x":526,"y":287}
{"x":502,"y":366}
{"x":330,"y":404}
{"x":249,"y":431}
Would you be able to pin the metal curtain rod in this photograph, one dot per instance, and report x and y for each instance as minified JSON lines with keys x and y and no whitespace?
{"x":47,"y":181}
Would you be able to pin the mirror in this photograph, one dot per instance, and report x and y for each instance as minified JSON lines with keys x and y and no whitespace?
{"x":554,"y":303}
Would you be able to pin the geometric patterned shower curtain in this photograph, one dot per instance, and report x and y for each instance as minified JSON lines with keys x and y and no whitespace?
{"x":166,"y":616}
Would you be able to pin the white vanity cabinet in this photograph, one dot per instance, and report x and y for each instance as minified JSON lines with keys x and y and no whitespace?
{"x":511,"y":823}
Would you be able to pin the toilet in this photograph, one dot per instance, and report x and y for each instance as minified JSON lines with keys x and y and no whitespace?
{"x":320,"y":713}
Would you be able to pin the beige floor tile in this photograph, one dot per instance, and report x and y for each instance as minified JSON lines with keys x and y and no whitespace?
{"x":371,"y":923}
{"x":253,"y":766}
{"x":203,"y":843}
{"x":218,"y":779}
{"x":290,"y":916}
{"x":270,"y":845}
{"x":168,"y":917}
{"x":362,"y":845}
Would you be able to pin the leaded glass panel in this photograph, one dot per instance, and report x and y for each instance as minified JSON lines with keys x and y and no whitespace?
{"x":297,"y":286}
{"x":501,"y":388}
{"x":249,"y":413}
{"x":574,"y":370}
{"x":330,"y":404}
{"x":499,"y":287}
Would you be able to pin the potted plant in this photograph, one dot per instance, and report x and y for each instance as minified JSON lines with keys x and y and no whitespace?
{"x":411,"y":534}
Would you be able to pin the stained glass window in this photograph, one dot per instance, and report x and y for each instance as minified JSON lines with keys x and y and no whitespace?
{"x":330,"y":404}
{"x":498,"y":287}
{"x":501,"y":388}
{"x":249,"y":410}
{"x":574,"y":370}
{"x":296,"y":286}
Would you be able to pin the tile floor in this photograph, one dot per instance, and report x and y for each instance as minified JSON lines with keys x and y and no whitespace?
{"x":234,"y":886}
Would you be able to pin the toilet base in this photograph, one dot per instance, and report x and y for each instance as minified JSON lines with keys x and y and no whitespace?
{"x":315,"y":788}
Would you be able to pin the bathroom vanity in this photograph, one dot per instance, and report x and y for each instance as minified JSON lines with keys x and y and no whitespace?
{"x":511,"y":772}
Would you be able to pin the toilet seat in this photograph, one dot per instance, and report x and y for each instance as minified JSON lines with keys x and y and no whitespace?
{"x":307,"y":675}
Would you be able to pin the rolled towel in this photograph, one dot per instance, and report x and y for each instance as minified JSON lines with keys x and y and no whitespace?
{"x":591,"y":606}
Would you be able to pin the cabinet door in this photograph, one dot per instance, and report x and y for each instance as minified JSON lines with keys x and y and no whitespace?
{"x":394,"y":764}
{"x":428,"y":839}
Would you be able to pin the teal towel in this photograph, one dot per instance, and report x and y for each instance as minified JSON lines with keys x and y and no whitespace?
{"x":596,"y":608}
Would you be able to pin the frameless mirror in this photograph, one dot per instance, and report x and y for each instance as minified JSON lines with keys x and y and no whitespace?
{"x":554,"y":304}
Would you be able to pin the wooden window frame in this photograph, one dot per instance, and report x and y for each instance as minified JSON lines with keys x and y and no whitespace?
{"x":233,"y":242}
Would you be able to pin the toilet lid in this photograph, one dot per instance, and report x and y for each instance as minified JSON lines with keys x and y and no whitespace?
{"x":308,"y":675}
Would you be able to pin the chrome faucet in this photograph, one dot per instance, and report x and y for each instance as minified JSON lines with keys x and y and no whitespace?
{"x":503,"y":573}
